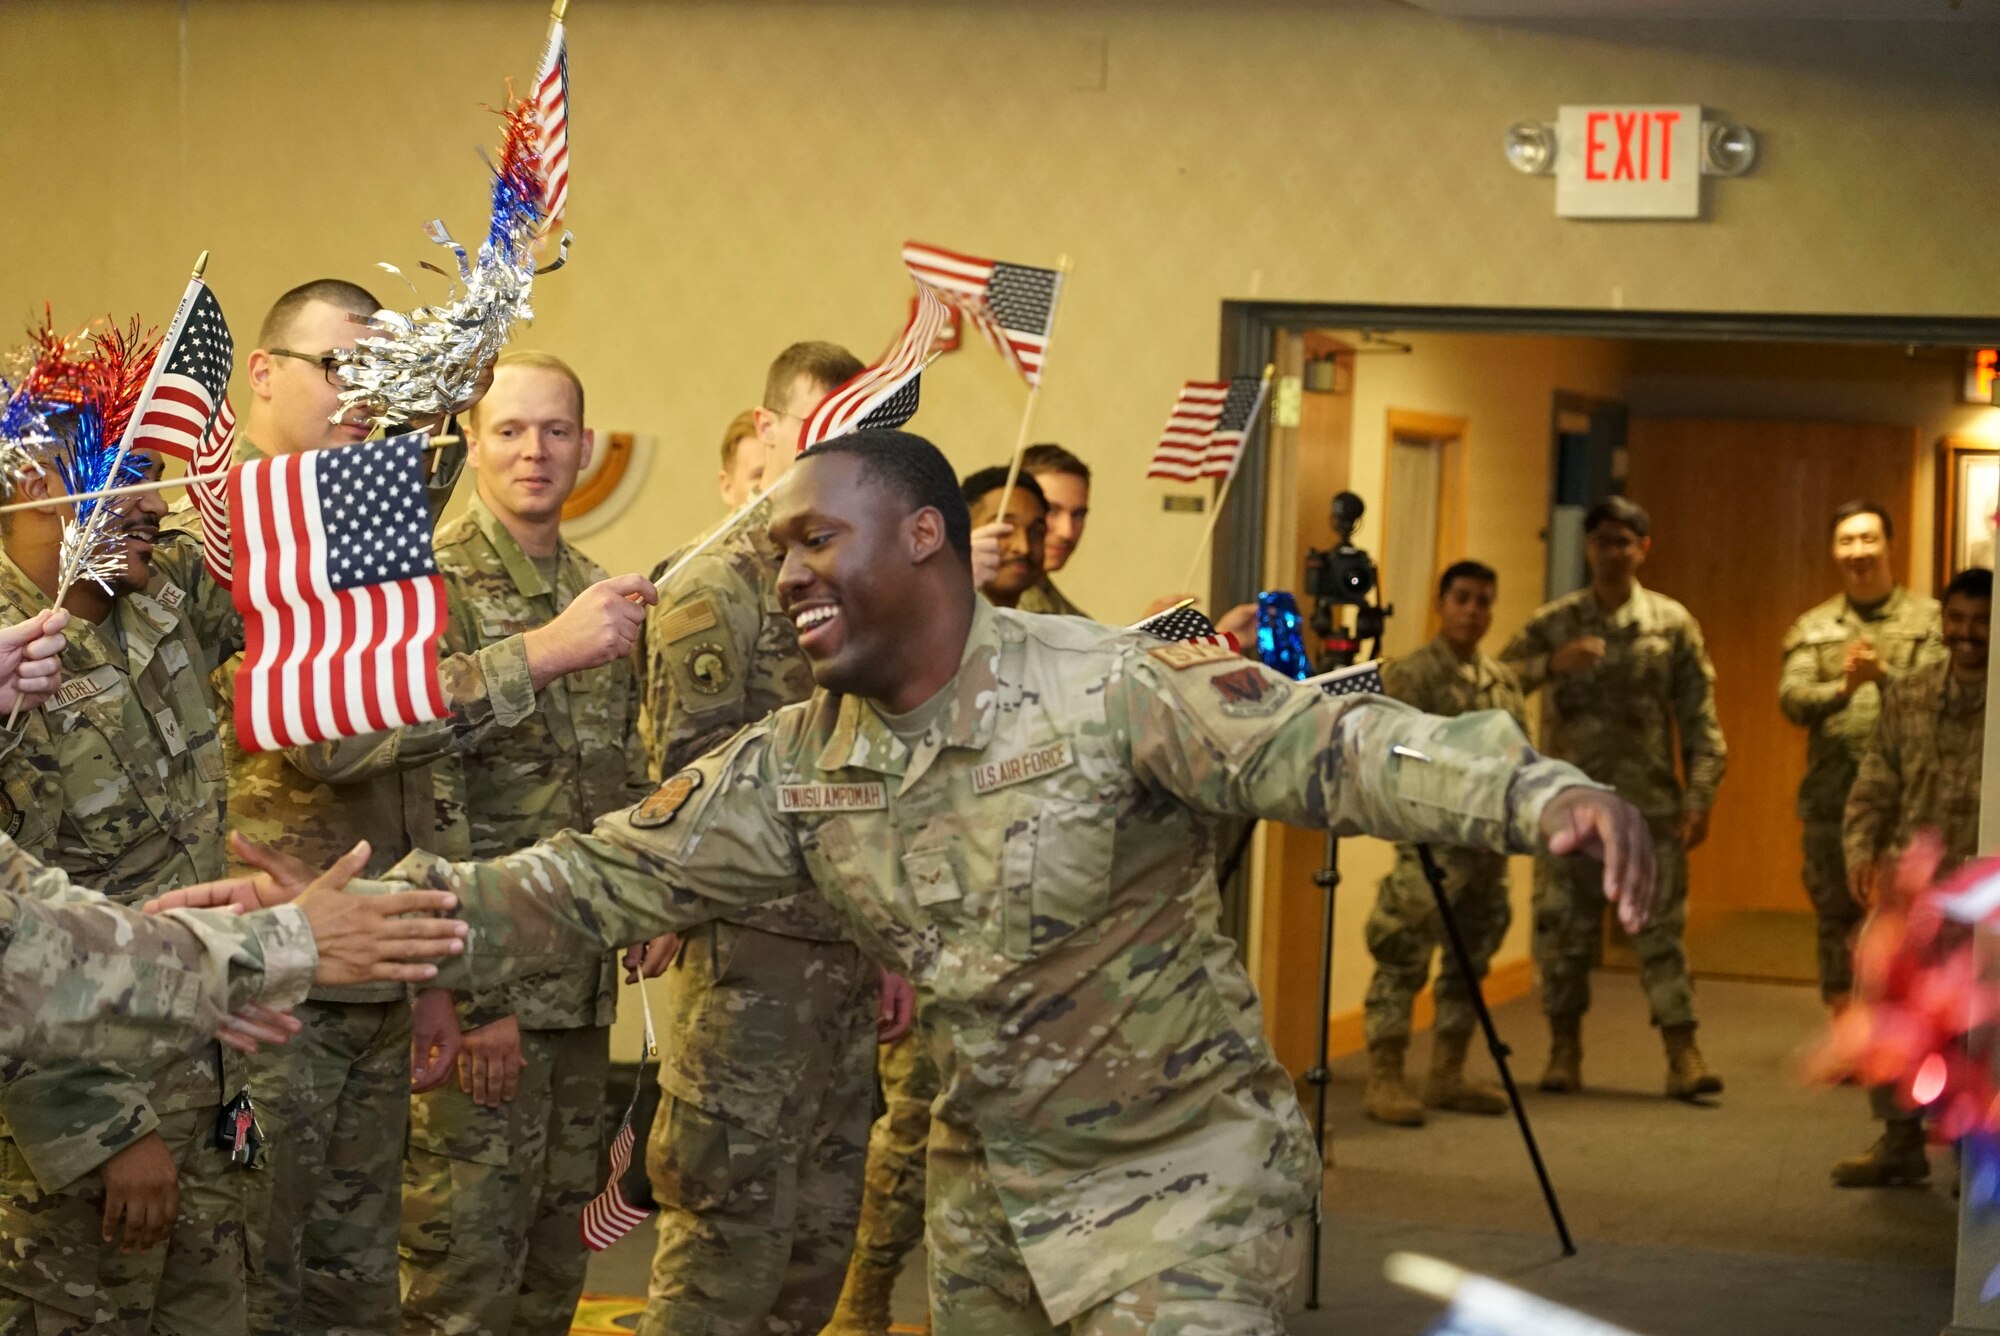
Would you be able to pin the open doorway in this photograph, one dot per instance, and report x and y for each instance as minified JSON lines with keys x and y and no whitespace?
{"x":1468,"y":438}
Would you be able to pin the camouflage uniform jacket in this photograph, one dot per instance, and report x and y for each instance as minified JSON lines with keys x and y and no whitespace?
{"x":1619,"y":720}
{"x":315,"y":802}
{"x":1040,"y":868}
{"x":1043,"y":596}
{"x":1921,"y":769}
{"x":79,"y":976}
{"x":720,"y":653}
{"x":1904,"y":631}
{"x":118,"y":781}
{"x":574,"y":759}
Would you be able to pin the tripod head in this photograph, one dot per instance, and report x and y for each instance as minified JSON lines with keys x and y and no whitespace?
{"x":1340,"y":579}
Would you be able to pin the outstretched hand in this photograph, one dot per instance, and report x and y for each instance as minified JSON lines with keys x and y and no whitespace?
{"x":1604,"y":826}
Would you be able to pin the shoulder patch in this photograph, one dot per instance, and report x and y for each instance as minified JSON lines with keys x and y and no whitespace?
{"x":1183,"y":655}
{"x":706,"y":663}
{"x":686,"y":620}
{"x":11,"y":816}
{"x":661,"y":805}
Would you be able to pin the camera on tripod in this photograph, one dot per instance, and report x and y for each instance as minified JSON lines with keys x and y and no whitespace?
{"x":1343,"y":577}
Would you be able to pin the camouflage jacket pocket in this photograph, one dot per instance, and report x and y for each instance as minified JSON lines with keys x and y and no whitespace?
{"x":1055,"y":873}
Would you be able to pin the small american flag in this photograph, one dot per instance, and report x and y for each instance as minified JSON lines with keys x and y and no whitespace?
{"x":193,"y":376}
{"x":552,"y":120}
{"x":1206,"y":429}
{"x":1187,"y":624}
{"x":608,"y":1217}
{"x":339,"y":591}
{"x":883,"y":395}
{"x":1012,"y":304}
{"x":1363,"y":679}
{"x":211,"y":499}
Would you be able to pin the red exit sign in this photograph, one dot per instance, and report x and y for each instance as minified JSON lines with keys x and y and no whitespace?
{"x":1628,"y":162}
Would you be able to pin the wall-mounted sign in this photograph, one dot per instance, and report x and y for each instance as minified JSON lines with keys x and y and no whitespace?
{"x":1982,"y":370}
{"x":1628,"y":162}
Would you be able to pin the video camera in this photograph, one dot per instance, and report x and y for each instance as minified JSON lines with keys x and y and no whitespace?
{"x":1340,"y":577}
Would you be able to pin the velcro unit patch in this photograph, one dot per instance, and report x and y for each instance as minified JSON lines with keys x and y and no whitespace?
{"x":81,"y":688}
{"x":661,"y":805}
{"x":833,"y":797}
{"x":1179,"y":656}
{"x":687,"y":619}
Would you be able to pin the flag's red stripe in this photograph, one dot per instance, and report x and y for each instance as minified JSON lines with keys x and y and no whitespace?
{"x":395,"y":702}
{"x":282,"y":626}
{"x":434,"y":684}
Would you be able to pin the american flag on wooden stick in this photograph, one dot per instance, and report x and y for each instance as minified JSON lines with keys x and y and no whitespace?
{"x":340,"y":594}
{"x":192,"y":379}
{"x":1206,"y":429}
{"x":883,"y":395}
{"x":552,"y":123}
{"x":1012,"y":304}
{"x":211,"y":498}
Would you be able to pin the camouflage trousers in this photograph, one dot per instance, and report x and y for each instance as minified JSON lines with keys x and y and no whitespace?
{"x":757,"y":1151}
{"x":1839,"y":917}
{"x":1404,"y":932}
{"x":1569,"y":923}
{"x":493,"y":1198}
{"x":57,"y":1276}
{"x":892,"y":1194}
{"x":339,"y":1101}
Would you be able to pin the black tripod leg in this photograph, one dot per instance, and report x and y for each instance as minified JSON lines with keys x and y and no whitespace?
{"x":1435,"y":876}
{"x":1328,"y":880}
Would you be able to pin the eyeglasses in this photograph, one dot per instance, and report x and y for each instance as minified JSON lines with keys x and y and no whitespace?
{"x":328,"y":363}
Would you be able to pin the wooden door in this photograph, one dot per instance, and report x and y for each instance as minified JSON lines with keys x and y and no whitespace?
{"x":1740,"y":511}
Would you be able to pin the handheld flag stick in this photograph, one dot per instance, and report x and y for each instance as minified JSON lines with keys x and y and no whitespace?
{"x":1034,"y":391}
{"x":1222,"y":494}
{"x":736,"y":517}
{"x":94,"y":524}
{"x":130,"y":489}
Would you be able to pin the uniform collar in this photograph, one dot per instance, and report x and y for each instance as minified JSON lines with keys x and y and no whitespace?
{"x":1477,"y":668}
{"x":520,"y":567}
{"x":1888,"y":607}
{"x":860,"y":739}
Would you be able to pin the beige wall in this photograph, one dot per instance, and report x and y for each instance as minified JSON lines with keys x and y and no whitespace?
{"x":744,"y":173}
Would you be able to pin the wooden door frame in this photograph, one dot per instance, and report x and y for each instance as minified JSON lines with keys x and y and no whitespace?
{"x":1944,"y":523}
{"x":1454,"y":435}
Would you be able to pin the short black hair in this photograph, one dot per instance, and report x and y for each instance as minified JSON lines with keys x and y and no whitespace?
{"x":1618,"y":510}
{"x":1973,"y":582}
{"x":915,"y":470}
{"x":1467,"y":570}
{"x":349,"y":297}
{"x":1048,"y":457}
{"x":1853,"y":508}
{"x":981,"y":481}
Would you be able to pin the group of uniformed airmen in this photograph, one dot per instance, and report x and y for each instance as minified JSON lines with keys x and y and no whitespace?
{"x":1892,"y":698}
{"x":863,"y":823}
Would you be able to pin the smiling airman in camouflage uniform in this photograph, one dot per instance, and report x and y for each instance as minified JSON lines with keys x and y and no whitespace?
{"x":1116,"y":1145}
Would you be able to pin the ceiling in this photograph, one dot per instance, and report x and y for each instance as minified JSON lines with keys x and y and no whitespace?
{"x":1736,"y":9}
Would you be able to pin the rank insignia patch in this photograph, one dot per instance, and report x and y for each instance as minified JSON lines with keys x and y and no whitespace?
{"x":707,"y":667}
{"x":664,"y":802}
